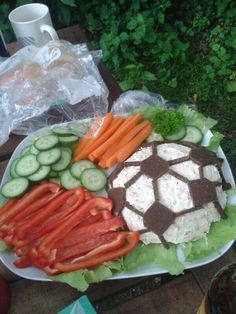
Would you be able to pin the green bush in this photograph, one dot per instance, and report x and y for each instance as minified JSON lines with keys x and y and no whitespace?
{"x":184,"y":50}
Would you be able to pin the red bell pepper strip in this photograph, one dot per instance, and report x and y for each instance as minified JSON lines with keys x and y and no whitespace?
{"x":10,"y":227}
{"x":8,"y":204}
{"x":22,"y":262}
{"x":87,"y":195}
{"x":42,"y":215}
{"x":37,"y":261}
{"x":26,"y":214}
{"x":106,"y":214}
{"x":28,"y":199}
{"x":42,"y":201}
{"x":58,"y":217}
{"x":100,"y":203}
{"x":90,"y":219}
{"x":81,"y":248}
{"x":132,"y":239}
{"x":84,"y":233}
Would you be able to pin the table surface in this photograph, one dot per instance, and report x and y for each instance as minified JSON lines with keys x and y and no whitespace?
{"x":153,"y":294}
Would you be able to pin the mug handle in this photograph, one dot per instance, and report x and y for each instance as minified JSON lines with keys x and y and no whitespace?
{"x":50,"y":30}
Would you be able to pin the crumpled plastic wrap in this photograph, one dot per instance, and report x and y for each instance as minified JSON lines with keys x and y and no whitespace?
{"x":134,"y":99}
{"x":52,"y":84}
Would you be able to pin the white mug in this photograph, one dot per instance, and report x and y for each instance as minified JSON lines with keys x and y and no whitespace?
{"x":32,"y":24}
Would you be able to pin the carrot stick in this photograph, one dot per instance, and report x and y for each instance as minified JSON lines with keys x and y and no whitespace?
{"x":128,"y":137}
{"x":124,"y":152}
{"x":87,"y":150}
{"x":89,"y":134}
{"x":105,"y":124}
{"x":128,"y":124}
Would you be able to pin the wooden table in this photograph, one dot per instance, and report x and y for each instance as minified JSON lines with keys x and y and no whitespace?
{"x":154,"y":294}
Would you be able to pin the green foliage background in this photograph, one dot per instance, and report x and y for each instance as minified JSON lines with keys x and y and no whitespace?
{"x":183,"y":50}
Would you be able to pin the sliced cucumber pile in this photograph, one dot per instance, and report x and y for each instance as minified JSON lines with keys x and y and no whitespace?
{"x":80,"y":173}
{"x":189,"y":133}
{"x":50,"y":157}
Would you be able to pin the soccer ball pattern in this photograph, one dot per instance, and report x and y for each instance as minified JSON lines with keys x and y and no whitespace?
{"x":169,"y":191}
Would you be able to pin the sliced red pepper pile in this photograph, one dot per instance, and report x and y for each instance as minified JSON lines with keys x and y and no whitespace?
{"x":63,"y":231}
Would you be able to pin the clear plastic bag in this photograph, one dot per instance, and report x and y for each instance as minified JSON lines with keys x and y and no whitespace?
{"x":43,"y":86}
{"x":130,"y":100}
{"x":134,"y":99}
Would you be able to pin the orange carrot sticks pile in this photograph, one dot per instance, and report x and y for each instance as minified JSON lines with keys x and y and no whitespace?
{"x":115,"y":140}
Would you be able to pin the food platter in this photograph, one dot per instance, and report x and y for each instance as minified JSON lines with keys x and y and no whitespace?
{"x":33,"y":273}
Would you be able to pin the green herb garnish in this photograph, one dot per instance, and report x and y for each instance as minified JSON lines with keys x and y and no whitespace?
{"x":168,"y":122}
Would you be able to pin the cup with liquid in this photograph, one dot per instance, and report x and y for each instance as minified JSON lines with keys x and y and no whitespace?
{"x":32,"y":24}
{"x":221,"y":295}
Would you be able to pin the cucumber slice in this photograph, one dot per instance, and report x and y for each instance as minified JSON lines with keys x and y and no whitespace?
{"x":177,"y":136}
{"x":40,"y":174}
{"x":13,"y":168}
{"x":46,"y":142}
{"x":68,"y":139}
{"x":27,"y":165}
{"x":78,"y":167}
{"x":62,"y":131}
{"x":63,"y":162}
{"x":49,"y":157}
{"x":67,"y":149}
{"x":193,"y":134}
{"x":78,"y":128}
{"x":68,"y":181}
{"x":34,"y":150}
{"x":93,"y":179}
{"x":15,"y":187}
{"x":25,"y":150}
{"x":53,"y":174}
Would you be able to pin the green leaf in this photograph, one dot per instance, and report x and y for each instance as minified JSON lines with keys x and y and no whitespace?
{"x":22,"y":2}
{"x":132,"y":24}
{"x":215,"y":142}
{"x":81,"y":279}
{"x":231,"y":86}
{"x":161,"y":18}
{"x":221,"y":232}
{"x":148,"y":76}
{"x":172,"y":83}
{"x":124,"y":36}
{"x":64,"y":15}
{"x":214,"y":60}
{"x":127,"y":84}
{"x":197,"y":119}
{"x":150,"y":37}
{"x":130,"y":66}
{"x":3,"y":246}
{"x":70,"y":3}
{"x":75,"y":279}
{"x":157,"y":253}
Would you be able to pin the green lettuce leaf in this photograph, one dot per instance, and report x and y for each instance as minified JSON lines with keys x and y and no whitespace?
{"x":149,"y":112}
{"x":81,"y":279}
{"x":157,"y":253}
{"x":231,"y":192}
{"x":215,"y":142}
{"x":221,"y":233}
{"x":3,"y":246}
{"x":197,"y":119}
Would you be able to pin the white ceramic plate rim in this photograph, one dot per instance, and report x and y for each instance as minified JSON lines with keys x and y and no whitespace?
{"x":33,"y":273}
